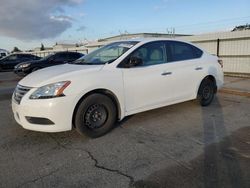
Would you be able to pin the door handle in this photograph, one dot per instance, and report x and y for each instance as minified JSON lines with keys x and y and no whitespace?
{"x":198,"y":68}
{"x":166,"y":73}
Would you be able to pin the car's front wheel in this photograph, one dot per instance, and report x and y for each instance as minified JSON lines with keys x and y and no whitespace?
{"x":96,"y":115}
{"x":206,"y":92}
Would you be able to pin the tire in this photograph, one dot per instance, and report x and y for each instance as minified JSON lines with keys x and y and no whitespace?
{"x":95,"y":116}
{"x":206,"y":92}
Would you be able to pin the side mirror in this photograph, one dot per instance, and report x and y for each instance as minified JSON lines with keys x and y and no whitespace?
{"x":134,"y":61}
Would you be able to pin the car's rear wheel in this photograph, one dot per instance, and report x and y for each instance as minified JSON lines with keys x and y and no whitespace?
{"x":95,"y":116}
{"x":206,"y":92}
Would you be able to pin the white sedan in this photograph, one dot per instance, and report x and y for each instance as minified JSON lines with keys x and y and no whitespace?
{"x":115,"y":81}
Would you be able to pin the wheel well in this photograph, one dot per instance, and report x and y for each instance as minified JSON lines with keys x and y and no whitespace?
{"x":106,"y":92}
{"x":210,"y":77}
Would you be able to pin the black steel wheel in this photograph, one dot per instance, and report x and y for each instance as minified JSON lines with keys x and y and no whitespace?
{"x":206,"y":92}
{"x":95,"y":115}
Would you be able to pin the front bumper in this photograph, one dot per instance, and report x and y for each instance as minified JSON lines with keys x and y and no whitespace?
{"x":57,"y":110}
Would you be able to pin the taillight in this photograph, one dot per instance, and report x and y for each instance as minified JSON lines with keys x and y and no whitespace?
{"x":220,"y":62}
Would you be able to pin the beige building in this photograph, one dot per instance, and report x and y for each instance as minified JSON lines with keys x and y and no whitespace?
{"x":141,"y":35}
{"x":97,"y":44}
{"x":62,"y":46}
{"x":232,"y":47}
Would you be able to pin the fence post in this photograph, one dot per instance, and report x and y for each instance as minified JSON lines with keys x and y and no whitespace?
{"x":218,"y":47}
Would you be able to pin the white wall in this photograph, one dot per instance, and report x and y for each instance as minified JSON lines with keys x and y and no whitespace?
{"x":234,"y":48}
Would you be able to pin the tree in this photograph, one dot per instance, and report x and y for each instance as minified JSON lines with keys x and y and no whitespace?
{"x":15,"y":49}
{"x":241,"y":27}
{"x":77,"y":45}
{"x":42,"y":47}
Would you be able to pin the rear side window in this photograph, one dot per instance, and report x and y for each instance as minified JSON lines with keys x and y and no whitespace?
{"x":61,"y":57}
{"x":27,"y":56}
{"x":179,"y":51}
{"x":197,"y":51}
{"x":73,"y":56}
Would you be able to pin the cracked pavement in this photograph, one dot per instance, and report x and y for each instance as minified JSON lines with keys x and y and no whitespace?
{"x":150,"y":149}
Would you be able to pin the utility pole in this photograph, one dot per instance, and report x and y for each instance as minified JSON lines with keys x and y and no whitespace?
{"x":171,"y":31}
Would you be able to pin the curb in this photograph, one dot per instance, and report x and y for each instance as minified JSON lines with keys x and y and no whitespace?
{"x":235,"y":92}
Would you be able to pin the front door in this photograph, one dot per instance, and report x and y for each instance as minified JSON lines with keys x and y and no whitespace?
{"x":10,"y":62}
{"x":148,"y":85}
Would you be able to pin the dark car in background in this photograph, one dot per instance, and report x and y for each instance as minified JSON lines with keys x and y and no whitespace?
{"x":50,"y":60}
{"x":3,"y":54}
{"x":10,"y":61}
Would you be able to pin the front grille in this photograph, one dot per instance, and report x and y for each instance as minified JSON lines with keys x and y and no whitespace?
{"x":19,"y":92}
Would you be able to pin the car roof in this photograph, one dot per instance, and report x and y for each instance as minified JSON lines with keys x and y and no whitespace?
{"x":21,"y":54}
{"x":149,"y":39}
{"x":65,"y":52}
{"x":154,"y":39}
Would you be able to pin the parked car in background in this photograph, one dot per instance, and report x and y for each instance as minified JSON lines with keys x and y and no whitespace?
{"x":10,"y":61}
{"x":117,"y":80}
{"x":3,"y":53}
{"x":50,"y":60}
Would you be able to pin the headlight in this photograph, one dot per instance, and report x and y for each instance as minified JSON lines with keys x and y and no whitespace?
{"x":50,"y":91}
{"x":24,"y":65}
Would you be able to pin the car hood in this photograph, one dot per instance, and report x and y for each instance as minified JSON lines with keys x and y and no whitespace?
{"x":56,"y":74}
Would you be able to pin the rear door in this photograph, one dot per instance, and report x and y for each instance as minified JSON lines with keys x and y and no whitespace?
{"x":187,"y":69}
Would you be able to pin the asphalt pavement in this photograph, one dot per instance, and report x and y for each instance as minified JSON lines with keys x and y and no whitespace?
{"x":182,"y":145}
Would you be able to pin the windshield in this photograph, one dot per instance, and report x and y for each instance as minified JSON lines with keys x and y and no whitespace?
{"x":106,"y":54}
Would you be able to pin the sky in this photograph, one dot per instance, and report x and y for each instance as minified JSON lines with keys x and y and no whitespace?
{"x":28,"y":23}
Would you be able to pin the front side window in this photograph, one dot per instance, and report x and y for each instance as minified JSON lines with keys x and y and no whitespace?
{"x":106,"y":54}
{"x":151,"y":53}
{"x":180,"y":51}
{"x":28,"y":56}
